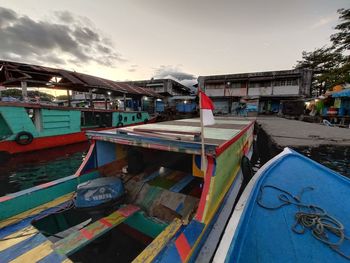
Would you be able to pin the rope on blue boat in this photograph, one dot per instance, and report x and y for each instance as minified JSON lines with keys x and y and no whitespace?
{"x":323,"y":226}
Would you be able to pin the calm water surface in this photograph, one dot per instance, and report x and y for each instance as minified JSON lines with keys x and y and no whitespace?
{"x":27,"y":170}
{"x":335,"y":158}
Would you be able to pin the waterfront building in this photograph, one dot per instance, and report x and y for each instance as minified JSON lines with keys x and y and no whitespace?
{"x":264,"y":89}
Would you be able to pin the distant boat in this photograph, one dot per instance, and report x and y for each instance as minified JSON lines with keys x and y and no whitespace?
{"x":28,"y":127}
{"x":140,"y":195}
{"x":293,"y":210}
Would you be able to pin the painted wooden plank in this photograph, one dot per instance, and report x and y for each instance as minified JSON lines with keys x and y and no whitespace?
{"x":84,"y":236}
{"x":181,"y":184}
{"x":17,"y":237}
{"x":53,"y":257}
{"x":36,"y":210}
{"x":153,"y":249}
{"x":167,"y":131}
{"x":226,"y":121}
{"x":157,"y":173}
{"x":22,"y":247}
{"x":35,"y":254}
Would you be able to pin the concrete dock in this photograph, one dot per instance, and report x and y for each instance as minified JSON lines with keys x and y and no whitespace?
{"x":291,"y":133}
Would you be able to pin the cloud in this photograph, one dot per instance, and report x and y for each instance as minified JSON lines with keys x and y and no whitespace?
{"x":133,"y":68}
{"x":175,"y":73}
{"x":325,"y":20}
{"x":64,"y":39}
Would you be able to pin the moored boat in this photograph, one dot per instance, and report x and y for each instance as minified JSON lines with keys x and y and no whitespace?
{"x":28,"y":127}
{"x":293,"y":210}
{"x":140,"y":195}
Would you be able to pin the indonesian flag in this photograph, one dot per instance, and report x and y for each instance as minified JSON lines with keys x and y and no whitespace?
{"x":207,"y":108}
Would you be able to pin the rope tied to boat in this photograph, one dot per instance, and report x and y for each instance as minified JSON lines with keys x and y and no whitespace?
{"x":322,"y":226}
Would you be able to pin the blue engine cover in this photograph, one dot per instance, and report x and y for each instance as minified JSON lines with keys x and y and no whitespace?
{"x":98,"y":191}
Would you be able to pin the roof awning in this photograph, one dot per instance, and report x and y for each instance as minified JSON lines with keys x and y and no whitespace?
{"x":343,"y":93}
{"x":13,"y":73}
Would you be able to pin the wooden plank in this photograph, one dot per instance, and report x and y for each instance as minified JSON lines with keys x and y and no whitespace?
{"x":181,"y":184}
{"x":153,"y":249}
{"x":35,"y":254}
{"x":35,"y":210}
{"x":86,"y":235}
{"x":18,"y":236}
{"x":168,"y":131}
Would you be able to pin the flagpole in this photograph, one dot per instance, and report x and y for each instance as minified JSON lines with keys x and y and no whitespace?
{"x":203,"y":159}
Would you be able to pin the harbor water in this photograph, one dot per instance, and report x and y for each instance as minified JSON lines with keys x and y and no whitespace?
{"x":27,"y":170}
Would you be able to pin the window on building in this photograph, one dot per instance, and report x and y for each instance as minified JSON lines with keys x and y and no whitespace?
{"x":254,"y":85}
{"x":265,"y":84}
{"x":236,"y":85}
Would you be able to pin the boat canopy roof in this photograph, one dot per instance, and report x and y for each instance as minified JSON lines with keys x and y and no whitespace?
{"x":179,"y":135}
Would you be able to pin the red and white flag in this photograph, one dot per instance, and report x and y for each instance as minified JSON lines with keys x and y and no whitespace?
{"x":207,"y":107}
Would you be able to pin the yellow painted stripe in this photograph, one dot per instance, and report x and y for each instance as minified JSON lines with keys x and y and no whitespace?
{"x":67,"y":261}
{"x":17,"y":237}
{"x":35,"y":210}
{"x":153,"y":249}
{"x":35,"y":254}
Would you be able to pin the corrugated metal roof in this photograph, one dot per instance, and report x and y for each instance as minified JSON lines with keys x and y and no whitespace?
{"x":13,"y":73}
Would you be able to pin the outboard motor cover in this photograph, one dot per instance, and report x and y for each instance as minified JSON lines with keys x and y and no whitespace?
{"x":98,"y":191}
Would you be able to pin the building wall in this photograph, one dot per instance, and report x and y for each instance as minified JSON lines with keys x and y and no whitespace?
{"x":279,"y":83}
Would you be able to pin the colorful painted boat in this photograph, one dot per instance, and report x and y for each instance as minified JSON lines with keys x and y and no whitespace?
{"x":293,"y":210}
{"x":142,"y":197}
{"x":30,"y":127}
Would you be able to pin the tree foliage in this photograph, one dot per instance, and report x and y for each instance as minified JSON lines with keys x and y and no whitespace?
{"x":34,"y":94}
{"x":341,"y":39}
{"x":331,"y":65}
{"x":62,"y":97}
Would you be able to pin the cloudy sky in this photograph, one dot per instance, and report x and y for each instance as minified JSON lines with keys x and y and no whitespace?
{"x":140,"y":39}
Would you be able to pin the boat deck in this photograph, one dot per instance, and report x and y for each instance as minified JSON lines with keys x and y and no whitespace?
{"x":184,"y":134}
{"x":267,"y":235}
{"x":21,"y":242}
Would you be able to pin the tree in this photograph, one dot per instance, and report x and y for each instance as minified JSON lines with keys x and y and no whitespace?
{"x":341,"y":39}
{"x":331,"y":65}
{"x":62,"y":97}
{"x":17,"y":93}
{"x":326,"y":65}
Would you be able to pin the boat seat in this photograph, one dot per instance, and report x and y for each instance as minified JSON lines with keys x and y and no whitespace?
{"x":161,"y":203}
{"x":86,"y":235}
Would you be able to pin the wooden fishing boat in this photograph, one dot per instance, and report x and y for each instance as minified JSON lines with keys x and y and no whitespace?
{"x":28,"y":127}
{"x":140,"y":195}
{"x":293,"y":210}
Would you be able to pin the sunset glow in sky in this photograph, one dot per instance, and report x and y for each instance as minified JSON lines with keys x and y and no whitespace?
{"x":132,"y":40}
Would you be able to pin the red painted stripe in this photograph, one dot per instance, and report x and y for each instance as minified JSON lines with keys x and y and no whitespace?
{"x":183,"y":247}
{"x":43,"y":143}
{"x":207,"y":181}
{"x":128,"y":210}
{"x":87,"y":158}
{"x":227,"y":144}
{"x":45,"y":185}
{"x":86,"y":234}
{"x":5,"y":198}
{"x":51,"y":141}
{"x":105,"y":222}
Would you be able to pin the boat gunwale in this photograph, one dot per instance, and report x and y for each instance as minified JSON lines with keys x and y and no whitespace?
{"x":53,"y":107}
{"x":193,"y":146}
{"x":239,"y":210}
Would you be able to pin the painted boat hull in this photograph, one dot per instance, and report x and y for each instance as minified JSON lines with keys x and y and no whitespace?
{"x":179,"y":240}
{"x":257,"y":234}
{"x":40,"y":143}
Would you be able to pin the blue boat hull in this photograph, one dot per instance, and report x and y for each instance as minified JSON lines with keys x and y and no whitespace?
{"x":257,"y":234}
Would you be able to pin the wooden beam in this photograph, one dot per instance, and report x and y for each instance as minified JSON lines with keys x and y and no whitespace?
{"x":153,"y":249}
{"x":86,"y":235}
